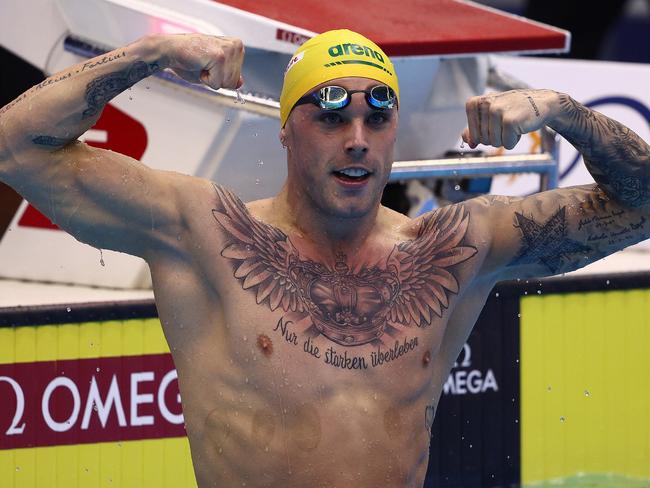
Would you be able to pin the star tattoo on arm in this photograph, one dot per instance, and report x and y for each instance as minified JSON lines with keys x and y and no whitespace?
{"x":546,"y":242}
{"x":348,"y":306}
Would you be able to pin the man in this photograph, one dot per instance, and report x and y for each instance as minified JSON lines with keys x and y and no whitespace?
{"x":313,"y":331}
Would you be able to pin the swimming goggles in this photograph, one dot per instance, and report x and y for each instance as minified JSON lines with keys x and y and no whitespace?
{"x":336,"y":97}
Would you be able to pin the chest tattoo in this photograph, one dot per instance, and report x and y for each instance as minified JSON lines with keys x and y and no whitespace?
{"x":348,"y":306}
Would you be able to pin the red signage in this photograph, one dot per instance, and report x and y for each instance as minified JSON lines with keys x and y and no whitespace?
{"x":292,"y":37}
{"x":50,"y":403}
{"x":115,"y":130}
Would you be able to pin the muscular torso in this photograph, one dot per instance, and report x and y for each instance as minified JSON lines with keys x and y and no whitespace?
{"x":301,"y":371}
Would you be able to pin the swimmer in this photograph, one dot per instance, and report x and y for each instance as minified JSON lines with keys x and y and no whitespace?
{"x":313,"y":331}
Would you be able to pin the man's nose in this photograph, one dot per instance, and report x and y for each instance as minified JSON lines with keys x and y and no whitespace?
{"x":356,"y":144}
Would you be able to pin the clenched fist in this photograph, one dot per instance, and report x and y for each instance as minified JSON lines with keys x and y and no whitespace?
{"x":499,"y":119}
{"x":197,"y":58}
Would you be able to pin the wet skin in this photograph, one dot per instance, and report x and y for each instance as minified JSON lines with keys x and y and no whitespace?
{"x":271,"y":400}
{"x":313,"y":332}
{"x":330,"y":376}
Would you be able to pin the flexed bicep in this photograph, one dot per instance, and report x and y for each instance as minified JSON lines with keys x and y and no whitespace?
{"x":106,"y":199}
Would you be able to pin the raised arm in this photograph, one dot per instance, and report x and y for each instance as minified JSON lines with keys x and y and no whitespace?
{"x":564,"y":229}
{"x":104,"y":198}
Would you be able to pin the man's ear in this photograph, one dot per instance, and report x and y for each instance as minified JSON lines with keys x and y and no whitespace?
{"x":283,"y":137}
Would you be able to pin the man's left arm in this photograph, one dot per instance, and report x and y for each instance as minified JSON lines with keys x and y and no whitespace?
{"x":564,"y":229}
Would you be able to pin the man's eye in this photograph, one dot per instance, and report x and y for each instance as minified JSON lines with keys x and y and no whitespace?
{"x":378,"y":117}
{"x":330,"y":117}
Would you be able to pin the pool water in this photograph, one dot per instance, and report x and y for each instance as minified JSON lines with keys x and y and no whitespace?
{"x":592,"y":481}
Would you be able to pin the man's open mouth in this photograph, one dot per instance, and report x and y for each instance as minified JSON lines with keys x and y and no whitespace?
{"x":353,"y":174}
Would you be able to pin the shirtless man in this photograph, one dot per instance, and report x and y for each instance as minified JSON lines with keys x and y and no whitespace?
{"x":313,"y":331}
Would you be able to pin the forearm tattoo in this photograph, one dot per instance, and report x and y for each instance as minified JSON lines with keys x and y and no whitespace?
{"x":331,"y":306}
{"x":618,"y":159}
{"x":101,"y":90}
{"x":49,"y":141}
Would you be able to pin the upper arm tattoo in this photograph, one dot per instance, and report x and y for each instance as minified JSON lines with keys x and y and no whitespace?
{"x":546,"y":242}
{"x":586,"y":226}
{"x":618,"y":159}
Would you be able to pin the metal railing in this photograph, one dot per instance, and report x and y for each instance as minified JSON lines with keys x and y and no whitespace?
{"x":545,"y":164}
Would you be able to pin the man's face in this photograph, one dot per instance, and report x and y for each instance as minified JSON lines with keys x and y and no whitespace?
{"x":341,"y":159}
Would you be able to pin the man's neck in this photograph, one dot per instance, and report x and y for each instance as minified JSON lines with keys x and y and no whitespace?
{"x":328,"y":234}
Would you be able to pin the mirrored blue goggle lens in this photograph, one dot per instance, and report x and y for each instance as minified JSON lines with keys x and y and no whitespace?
{"x":381,"y":96}
{"x":333,"y":97}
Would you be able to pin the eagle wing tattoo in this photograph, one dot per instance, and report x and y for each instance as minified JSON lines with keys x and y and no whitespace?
{"x":421,"y":266}
{"x":263,"y":252}
{"x":348,"y":306}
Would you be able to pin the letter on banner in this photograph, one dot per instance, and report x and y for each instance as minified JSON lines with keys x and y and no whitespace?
{"x":170,"y":417}
{"x":45,"y":404}
{"x":14,"y":429}
{"x":103,"y":409}
{"x":137,"y":398}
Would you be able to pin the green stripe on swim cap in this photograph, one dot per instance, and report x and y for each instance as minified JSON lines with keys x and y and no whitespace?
{"x":353,"y":61}
{"x":331,"y":55}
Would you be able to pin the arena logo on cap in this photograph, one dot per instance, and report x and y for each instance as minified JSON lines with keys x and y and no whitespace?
{"x":358,"y":49}
{"x":294,"y":60}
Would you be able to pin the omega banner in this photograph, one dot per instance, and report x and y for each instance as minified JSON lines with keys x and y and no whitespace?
{"x":49,"y":403}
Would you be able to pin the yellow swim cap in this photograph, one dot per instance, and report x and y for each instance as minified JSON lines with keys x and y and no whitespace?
{"x":330,"y":55}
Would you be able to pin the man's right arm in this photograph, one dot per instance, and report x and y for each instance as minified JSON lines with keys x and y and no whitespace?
{"x":104,"y":198}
